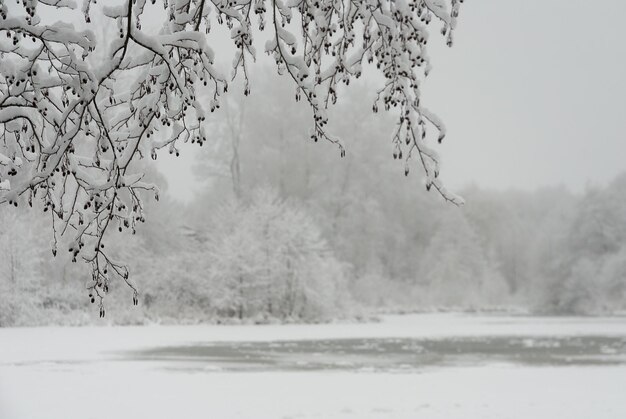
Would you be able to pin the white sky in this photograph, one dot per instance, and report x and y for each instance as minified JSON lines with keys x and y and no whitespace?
{"x":532,"y":93}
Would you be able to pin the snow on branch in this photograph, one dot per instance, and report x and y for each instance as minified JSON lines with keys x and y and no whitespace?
{"x":76,"y":110}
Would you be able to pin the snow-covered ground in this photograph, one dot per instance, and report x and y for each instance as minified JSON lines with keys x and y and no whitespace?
{"x":104,"y":372}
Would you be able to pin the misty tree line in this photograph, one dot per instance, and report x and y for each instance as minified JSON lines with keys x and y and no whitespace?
{"x":285,"y":230}
{"x":260,"y":259}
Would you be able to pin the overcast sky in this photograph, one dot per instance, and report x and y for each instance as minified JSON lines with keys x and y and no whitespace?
{"x":532,"y":93}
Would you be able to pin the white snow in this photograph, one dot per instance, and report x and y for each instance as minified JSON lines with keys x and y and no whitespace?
{"x":69,"y":373}
{"x":88,"y":343}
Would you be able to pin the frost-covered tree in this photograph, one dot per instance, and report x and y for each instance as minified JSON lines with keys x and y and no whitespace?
{"x":77,"y":109}
{"x":464,"y":274}
{"x":584,"y":274}
{"x":267,"y":257}
{"x":21,"y":262}
{"x":614,"y":280}
{"x":369,"y":218}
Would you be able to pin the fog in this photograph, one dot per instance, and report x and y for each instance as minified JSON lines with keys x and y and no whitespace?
{"x":532,"y":94}
{"x":282,"y":228}
{"x":221,"y":249}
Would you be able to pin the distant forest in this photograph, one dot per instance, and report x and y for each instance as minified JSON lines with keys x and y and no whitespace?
{"x":286,"y":230}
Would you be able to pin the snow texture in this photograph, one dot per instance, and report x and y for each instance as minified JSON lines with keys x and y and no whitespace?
{"x":62,"y":366}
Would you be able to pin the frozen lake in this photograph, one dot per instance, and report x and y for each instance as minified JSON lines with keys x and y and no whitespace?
{"x":431,"y":366}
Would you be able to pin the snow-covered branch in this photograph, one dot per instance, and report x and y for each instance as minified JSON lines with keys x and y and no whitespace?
{"x":76,"y":111}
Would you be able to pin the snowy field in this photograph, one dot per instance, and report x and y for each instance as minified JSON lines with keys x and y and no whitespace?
{"x":417,"y":366}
